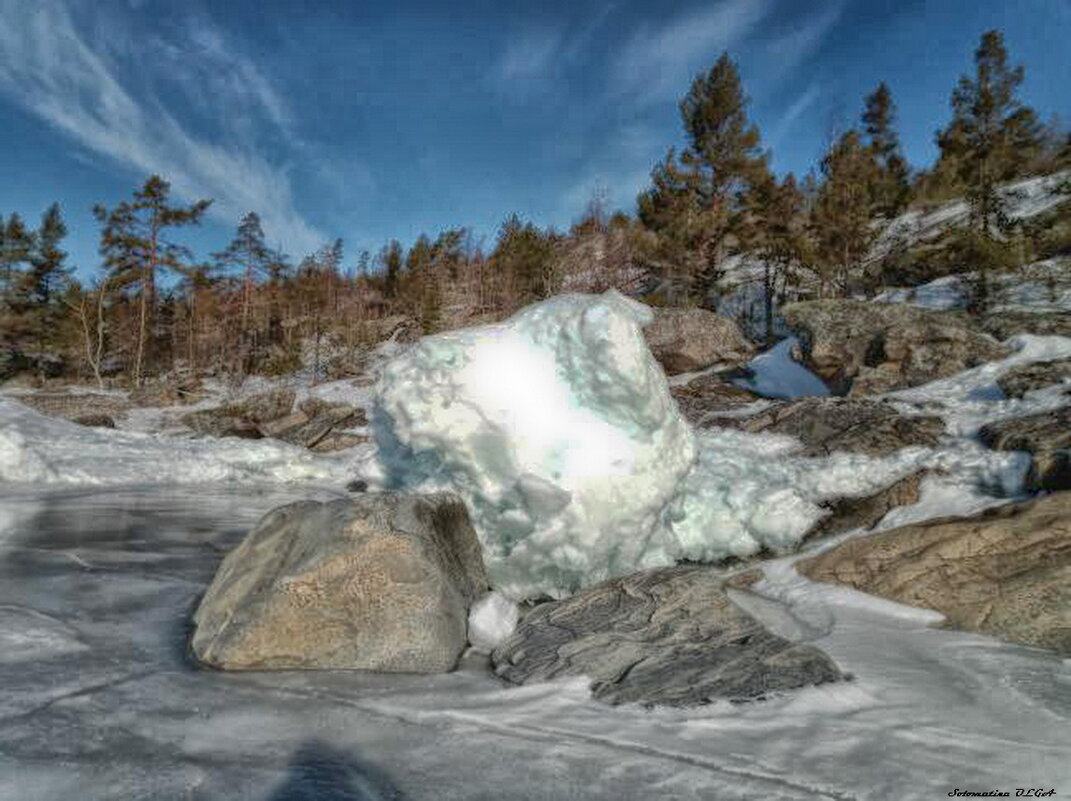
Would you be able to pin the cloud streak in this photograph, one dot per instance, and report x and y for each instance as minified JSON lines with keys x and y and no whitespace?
{"x":800,"y":105}
{"x":49,"y":68}
{"x":657,"y":61}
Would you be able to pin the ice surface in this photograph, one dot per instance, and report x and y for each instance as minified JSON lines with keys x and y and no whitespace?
{"x":557,"y":428}
{"x":491,"y":620}
{"x":777,"y":375}
{"x":127,"y":716}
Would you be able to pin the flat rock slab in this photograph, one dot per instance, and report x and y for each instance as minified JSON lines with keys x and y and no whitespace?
{"x":1006,"y":572}
{"x":848,"y":513}
{"x":664,"y":637}
{"x":1027,"y":377}
{"x":852,"y":425}
{"x":380,"y":582}
{"x":704,"y":401}
{"x":1046,"y":436}
{"x":1005,"y":324}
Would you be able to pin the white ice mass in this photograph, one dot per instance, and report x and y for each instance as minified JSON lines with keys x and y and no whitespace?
{"x":491,"y":620}
{"x":558,"y":429}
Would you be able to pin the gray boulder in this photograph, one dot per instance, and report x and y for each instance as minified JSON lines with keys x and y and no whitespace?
{"x":683,"y":340}
{"x":1006,"y":572}
{"x":886,"y":346}
{"x":379,"y":582}
{"x":852,"y":425}
{"x":1027,"y":377}
{"x":666,"y":637}
{"x":1046,"y":436}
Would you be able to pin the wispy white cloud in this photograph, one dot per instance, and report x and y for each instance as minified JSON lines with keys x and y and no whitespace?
{"x":51,"y":68}
{"x":783,"y":126}
{"x":531,"y":55}
{"x":537,"y":55}
{"x":786,"y":53}
{"x":658,"y":61}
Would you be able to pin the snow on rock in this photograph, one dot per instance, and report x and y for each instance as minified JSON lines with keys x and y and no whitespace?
{"x":775,"y":374}
{"x":558,"y":429}
{"x":1040,"y":287}
{"x":492,"y":619}
{"x":47,"y":450}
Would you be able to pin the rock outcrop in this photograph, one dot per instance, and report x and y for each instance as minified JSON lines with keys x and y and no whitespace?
{"x":848,"y":513}
{"x":852,"y":425}
{"x":319,"y":425}
{"x":1046,"y":436}
{"x":243,"y":418}
{"x":1005,"y":573}
{"x":167,"y":392}
{"x":683,"y":340}
{"x":706,"y":400}
{"x":380,"y":582}
{"x":1005,"y":324}
{"x":76,"y":407}
{"x":1026,"y":378}
{"x":666,"y":637}
{"x":862,"y":348}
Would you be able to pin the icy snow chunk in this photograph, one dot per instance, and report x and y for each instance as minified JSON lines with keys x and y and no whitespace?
{"x":491,"y":620}
{"x":558,"y":429}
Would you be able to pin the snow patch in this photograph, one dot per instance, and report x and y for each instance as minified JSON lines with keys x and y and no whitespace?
{"x":492,"y":620}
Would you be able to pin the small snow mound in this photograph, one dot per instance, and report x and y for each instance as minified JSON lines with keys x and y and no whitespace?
{"x":491,"y":620}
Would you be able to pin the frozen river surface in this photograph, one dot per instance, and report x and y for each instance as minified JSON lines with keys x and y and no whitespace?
{"x":99,"y":700}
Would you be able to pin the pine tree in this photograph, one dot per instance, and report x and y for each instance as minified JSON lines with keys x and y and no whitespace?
{"x":391,"y":257}
{"x":134,"y":246}
{"x":523,"y":257}
{"x":891,"y":190}
{"x":776,"y":222}
{"x":992,"y":136}
{"x":422,"y":277}
{"x":16,"y":248}
{"x":41,"y":283}
{"x":694,"y":204}
{"x":16,"y":251}
{"x":249,"y":254}
{"x":842,"y":212}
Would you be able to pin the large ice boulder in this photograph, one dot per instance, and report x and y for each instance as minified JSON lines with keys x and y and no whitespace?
{"x":558,"y":429}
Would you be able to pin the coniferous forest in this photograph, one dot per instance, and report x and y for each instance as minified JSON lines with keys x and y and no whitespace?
{"x":152,"y":307}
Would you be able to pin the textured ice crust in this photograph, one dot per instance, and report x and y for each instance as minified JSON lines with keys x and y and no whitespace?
{"x":558,"y":429}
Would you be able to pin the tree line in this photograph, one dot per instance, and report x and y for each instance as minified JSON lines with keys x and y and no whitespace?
{"x":154,"y":307}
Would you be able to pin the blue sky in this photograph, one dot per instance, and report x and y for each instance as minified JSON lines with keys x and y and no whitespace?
{"x":370,"y":120}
